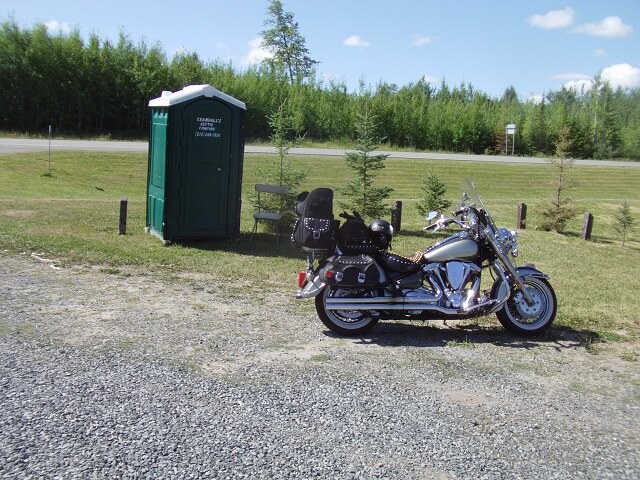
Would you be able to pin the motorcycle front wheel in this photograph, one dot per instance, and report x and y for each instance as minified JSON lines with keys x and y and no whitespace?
{"x":519,"y":317}
{"x":343,"y":322}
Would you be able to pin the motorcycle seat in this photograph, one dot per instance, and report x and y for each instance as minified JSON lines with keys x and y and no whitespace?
{"x":358,"y":248}
{"x":398,"y":263}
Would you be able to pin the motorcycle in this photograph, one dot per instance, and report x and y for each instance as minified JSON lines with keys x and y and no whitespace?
{"x":356,"y":281}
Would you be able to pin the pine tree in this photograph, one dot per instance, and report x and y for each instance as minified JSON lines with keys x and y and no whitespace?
{"x":625,"y":222}
{"x":360,"y":192}
{"x":434,"y":190}
{"x":560,"y":209}
{"x":288,"y":46}
{"x":607,"y":137}
{"x":283,"y":135}
{"x":282,"y":171}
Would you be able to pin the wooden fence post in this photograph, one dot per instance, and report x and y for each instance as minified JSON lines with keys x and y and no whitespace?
{"x":587,"y":226}
{"x":521,"y":222}
{"x":396,"y":216}
{"x":122,"y":229}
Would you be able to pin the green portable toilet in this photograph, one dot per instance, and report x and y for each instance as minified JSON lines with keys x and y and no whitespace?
{"x":196,"y":152}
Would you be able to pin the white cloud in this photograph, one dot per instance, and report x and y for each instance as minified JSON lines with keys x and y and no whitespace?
{"x":609,"y":27}
{"x":621,"y":75}
{"x":257,"y":53}
{"x":579,"y":85}
{"x":421,"y":40}
{"x":600,"y":52}
{"x":574,"y":81}
{"x":55,"y":27}
{"x":536,"y":98}
{"x":553,"y":19}
{"x":571,"y":76}
{"x":356,"y":41}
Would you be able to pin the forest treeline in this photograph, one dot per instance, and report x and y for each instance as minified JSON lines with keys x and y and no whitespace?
{"x":97,"y":87}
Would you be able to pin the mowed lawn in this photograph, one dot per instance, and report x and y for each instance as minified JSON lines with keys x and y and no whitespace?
{"x":72,"y":216}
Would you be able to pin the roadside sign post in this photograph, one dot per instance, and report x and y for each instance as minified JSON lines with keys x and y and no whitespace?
{"x":49,"y":150}
{"x":511,"y":130}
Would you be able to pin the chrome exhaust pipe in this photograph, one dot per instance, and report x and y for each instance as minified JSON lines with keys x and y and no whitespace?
{"x":400,"y":303}
{"x":380,"y":303}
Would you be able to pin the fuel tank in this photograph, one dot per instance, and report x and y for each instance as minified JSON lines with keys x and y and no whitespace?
{"x":456,"y":247}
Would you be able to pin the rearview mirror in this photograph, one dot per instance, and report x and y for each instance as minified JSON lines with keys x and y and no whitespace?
{"x":431,"y":215}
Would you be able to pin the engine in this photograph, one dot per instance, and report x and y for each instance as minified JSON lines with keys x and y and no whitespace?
{"x":459,"y":281}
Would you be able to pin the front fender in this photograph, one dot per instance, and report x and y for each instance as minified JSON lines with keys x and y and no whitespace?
{"x":310,"y":289}
{"x":530,"y":271}
{"x":502,"y":290}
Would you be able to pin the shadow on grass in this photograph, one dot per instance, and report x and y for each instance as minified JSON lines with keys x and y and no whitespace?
{"x":602,"y":240}
{"x":267,"y":245}
{"x":399,"y":334}
{"x":263,"y":245}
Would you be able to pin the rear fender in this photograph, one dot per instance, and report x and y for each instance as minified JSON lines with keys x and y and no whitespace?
{"x":314,"y":286}
{"x":310,"y":289}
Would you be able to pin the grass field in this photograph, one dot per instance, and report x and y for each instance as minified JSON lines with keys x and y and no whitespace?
{"x":72,"y":216}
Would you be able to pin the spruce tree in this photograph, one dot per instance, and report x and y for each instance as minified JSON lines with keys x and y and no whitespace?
{"x":625,"y":222}
{"x":283,"y":38}
{"x":281,"y":171}
{"x":560,"y":209}
{"x":362,"y":196}
{"x":433,"y":190}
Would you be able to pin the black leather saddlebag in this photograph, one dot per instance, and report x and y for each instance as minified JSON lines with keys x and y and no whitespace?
{"x":315,"y":228}
{"x":351,"y":271}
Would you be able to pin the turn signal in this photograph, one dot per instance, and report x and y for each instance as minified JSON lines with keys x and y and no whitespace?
{"x":302,"y":278}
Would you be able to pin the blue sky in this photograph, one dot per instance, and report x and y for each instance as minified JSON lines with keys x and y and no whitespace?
{"x":534,"y":45}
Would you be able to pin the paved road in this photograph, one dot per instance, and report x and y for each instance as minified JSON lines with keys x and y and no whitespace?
{"x":23,"y":145}
{"x":18,"y":145}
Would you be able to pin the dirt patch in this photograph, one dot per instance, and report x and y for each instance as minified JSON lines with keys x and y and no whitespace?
{"x":466,"y":398}
{"x":16,"y":213}
{"x":486,"y":390}
{"x":220,"y":329}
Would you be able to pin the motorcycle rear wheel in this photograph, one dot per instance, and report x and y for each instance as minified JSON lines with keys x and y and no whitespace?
{"x":343,"y":322}
{"x":523,"y":319}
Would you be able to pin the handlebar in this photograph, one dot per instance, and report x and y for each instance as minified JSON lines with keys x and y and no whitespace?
{"x":443,"y":222}
{"x":348,"y":216}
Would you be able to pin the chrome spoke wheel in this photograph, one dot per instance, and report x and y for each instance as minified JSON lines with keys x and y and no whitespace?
{"x":343,"y":322}
{"x":520,"y":317}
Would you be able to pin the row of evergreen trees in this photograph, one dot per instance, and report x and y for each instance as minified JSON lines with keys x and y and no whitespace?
{"x":96,"y":87}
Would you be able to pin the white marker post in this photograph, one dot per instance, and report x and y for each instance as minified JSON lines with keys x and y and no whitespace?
{"x":511,"y":130}
{"x":49,"y":150}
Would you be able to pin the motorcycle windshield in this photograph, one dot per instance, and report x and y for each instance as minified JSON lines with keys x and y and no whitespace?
{"x":472,"y":196}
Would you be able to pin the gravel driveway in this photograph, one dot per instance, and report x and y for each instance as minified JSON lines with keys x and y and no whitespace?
{"x":121,"y":374}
